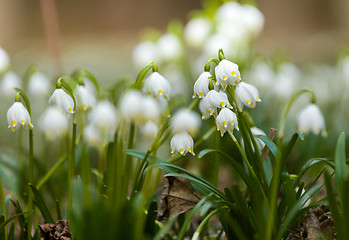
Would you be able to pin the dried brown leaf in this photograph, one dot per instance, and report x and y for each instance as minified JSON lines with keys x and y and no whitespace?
{"x":58,"y":231}
{"x":178,"y":196}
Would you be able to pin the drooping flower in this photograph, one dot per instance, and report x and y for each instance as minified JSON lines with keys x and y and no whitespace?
{"x":38,"y":84}
{"x":92,"y":135}
{"x":54,"y":123}
{"x":212,"y":101}
{"x":9,"y":81}
{"x":131,"y":105}
{"x":150,"y":129}
{"x":157,"y":86}
{"x":186,"y":120}
{"x":85,"y":99}
{"x":201,"y":85}
{"x":170,"y":47}
{"x":182,"y":143}
{"x":310,"y":119}
{"x":17,"y":114}
{"x":145,"y":52}
{"x":227,"y":72}
{"x":150,"y":109}
{"x":226,"y":121}
{"x":104,"y":116}
{"x":62,"y":100}
{"x":4,"y":60}
{"x":247,"y":94}
{"x":197,"y":31}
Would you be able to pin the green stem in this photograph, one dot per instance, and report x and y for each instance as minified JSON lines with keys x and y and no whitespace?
{"x":143,"y":72}
{"x":129,"y":163}
{"x":3,"y":207}
{"x":275,"y":184}
{"x":71,"y":168}
{"x":203,"y":223}
{"x":30,"y":181}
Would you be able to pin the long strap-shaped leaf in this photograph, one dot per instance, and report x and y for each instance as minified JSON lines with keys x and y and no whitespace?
{"x":41,"y":205}
{"x":8,"y":220}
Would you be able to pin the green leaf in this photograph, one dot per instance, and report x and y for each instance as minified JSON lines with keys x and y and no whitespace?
{"x":150,"y":226}
{"x":41,"y":205}
{"x":332,"y":199}
{"x":58,"y":210}
{"x":8,"y":220}
{"x":51,"y":171}
{"x":21,"y":218}
{"x":270,"y":144}
{"x":340,"y":164}
{"x":190,"y":216}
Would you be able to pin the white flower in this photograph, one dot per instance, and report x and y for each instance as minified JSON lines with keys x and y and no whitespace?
{"x":4,"y":60}
{"x":9,"y":81}
{"x":311,"y":119}
{"x":157,"y":86}
{"x":145,"y":52}
{"x":150,"y":129}
{"x":150,"y":109}
{"x":197,"y":31}
{"x":62,"y":100}
{"x":253,"y":20}
{"x":186,"y":120}
{"x":182,"y":142}
{"x":201,"y":85}
{"x":256,"y":131}
{"x":170,"y":47}
{"x":85,"y":99}
{"x":131,"y":105}
{"x":227,"y":72}
{"x":92,"y":135}
{"x":54,"y":123}
{"x":38,"y":84}
{"x":18,"y":114}
{"x":212,"y":101}
{"x":247,"y":94}
{"x":226,"y":121}
{"x":104,"y":116}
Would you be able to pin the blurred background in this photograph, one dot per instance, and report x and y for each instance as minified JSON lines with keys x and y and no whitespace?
{"x":100,"y":35}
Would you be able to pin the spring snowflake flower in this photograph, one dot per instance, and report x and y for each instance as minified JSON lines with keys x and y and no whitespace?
{"x":17,"y":114}
{"x":145,"y":52}
{"x":4,"y":60}
{"x":157,"y":86}
{"x":201,"y":85}
{"x":247,"y":94}
{"x":311,"y":119}
{"x":54,"y":123}
{"x":104,"y":116}
{"x":85,"y":99}
{"x":186,"y":120}
{"x":62,"y":100}
{"x":150,"y":109}
{"x":38,"y":84}
{"x":227,"y":72}
{"x":197,"y":31}
{"x":9,"y":81}
{"x":170,"y":47}
{"x":226,"y":121}
{"x":212,"y":101}
{"x":182,"y":142}
{"x":150,"y":129}
{"x":92,"y":135}
{"x":131,"y":105}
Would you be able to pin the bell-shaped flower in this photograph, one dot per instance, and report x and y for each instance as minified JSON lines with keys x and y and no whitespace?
{"x":92,"y":135}
{"x":197,"y":31}
{"x":54,"y":123}
{"x":170,"y":47}
{"x":104,"y":116}
{"x":310,"y":119}
{"x":150,"y":109}
{"x":201,"y":85}
{"x":17,"y":114}
{"x":186,"y":120}
{"x":226,"y":121}
{"x":227,"y":72}
{"x":4,"y":60}
{"x":131,"y":105}
{"x":145,"y":52}
{"x":85,"y":99}
{"x":256,"y":132}
{"x":213,"y":100}
{"x":150,"y":129}
{"x":9,"y":81}
{"x":182,"y":143}
{"x":38,"y":84}
{"x":62,"y":100}
{"x":247,"y":94}
{"x":157,"y":86}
